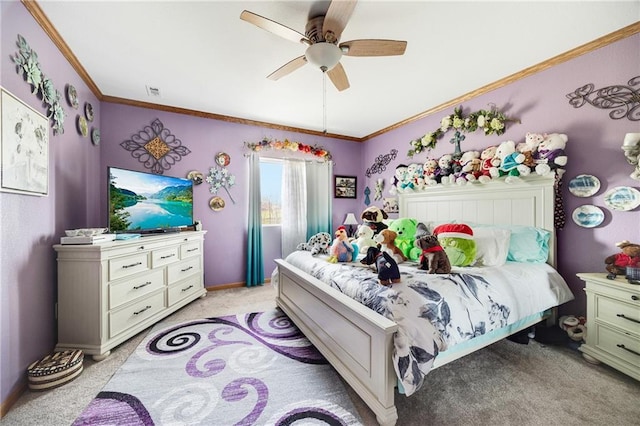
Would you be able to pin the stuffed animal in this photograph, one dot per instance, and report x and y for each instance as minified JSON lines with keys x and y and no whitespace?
{"x":372,"y":217}
{"x":379,"y":188}
{"x":433,"y":258}
{"x":405,"y":230}
{"x":529,"y":147}
{"x":617,"y":263}
{"x":317,"y":244}
{"x":414,"y":174}
{"x":511,"y":160}
{"x":470,"y":167}
{"x":489,"y":163}
{"x":400,"y":179}
{"x":386,"y":238}
{"x":550,"y":155}
{"x":386,"y":267}
{"x":429,"y":170}
{"x":445,"y":169}
{"x":457,"y":241}
{"x":364,"y":238}
{"x":342,"y":250}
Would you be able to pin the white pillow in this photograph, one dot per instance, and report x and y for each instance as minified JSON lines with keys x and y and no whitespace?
{"x":492,"y":246}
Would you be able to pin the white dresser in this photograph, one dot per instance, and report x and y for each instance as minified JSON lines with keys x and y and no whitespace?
{"x":613,"y":323}
{"x":109,"y":292}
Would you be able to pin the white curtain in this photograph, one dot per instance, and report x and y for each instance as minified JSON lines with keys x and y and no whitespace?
{"x":319,"y":205}
{"x":294,"y":205}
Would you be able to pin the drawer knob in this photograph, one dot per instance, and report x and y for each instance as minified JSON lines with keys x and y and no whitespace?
{"x":621,"y":346}
{"x":627,"y":318}
{"x":142,"y":310}
{"x":193,"y":249}
{"x":137,"y":287}
{"x":186,"y":269}
{"x":185,"y":289}
{"x":634,"y":297}
{"x":132,"y":265}
{"x":167,"y":256}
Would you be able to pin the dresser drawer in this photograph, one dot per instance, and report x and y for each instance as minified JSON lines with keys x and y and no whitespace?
{"x":190,"y":249}
{"x":623,"y":315}
{"x":179,"y":271}
{"x":183,"y":289}
{"x":124,"y":318}
{"x":625,"y":292}
{"x":618,"y":344}
{"x":130,"y":288}
{"x":121,"y":267}
{"x":164,"y":256}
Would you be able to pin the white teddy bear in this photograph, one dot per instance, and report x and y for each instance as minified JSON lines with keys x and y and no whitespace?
{"x":511,"y":160}
{"x":470,"y":163}
{"x":550,"y":155}
{"x":489,"y":163}
{"x":364,"y":238}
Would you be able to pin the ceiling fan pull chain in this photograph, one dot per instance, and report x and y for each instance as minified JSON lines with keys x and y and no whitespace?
{"x":324,"y":102}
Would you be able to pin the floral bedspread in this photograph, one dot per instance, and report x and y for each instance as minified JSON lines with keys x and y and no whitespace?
{"x":434,"y":312}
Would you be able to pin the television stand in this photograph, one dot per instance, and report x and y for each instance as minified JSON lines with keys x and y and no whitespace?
{"x":159,"y":231}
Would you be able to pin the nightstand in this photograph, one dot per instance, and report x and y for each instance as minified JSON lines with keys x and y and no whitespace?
{"x":613,"y":323}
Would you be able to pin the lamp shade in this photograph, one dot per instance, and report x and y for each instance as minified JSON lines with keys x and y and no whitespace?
{"x":350,"y":219}
{"x":323,"y":55}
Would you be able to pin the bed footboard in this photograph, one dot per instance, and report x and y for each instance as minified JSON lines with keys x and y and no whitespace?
{"x":355,"y":340}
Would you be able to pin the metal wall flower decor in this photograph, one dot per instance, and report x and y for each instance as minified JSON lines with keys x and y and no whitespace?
{"x":623,"y":100}
{"x":156,"y":147}
{"x":27,"y":65}
{"x":490,"y":121}
{"x":219,"y":176}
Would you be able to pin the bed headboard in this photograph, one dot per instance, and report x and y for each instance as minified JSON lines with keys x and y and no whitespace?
{"x":528,"y":201}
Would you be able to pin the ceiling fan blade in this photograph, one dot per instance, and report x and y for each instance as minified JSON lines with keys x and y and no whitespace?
{"x":336,"y":19}
{"x":339,"y":77}
{"x":273,"y":27}
{"x":371,"y":47}
{"x":288,"y":68}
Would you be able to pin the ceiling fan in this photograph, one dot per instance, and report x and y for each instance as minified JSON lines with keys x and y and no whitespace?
{"x":322,"y":38}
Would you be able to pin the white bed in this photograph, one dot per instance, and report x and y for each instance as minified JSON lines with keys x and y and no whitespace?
{"x":357,"y":341}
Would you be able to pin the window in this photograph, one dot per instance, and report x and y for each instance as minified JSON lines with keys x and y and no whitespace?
{"x":271,"y":191}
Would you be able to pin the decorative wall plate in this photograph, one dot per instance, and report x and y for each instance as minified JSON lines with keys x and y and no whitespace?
{"x":584,"y":185}
{"x":83,"y":128}
{"x":88,"y":111}
{"x":196,"y":177}
{"x":223,"y":159}
{"x":72,"y":96}
{"x":95,"y":136}
{"x":623,"y":198}
{"x":216,"y":204}
{"x":588,"y":216}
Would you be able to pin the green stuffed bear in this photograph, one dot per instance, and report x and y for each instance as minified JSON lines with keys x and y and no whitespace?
{"x":405,"y":241}
{"x":457,"y":241}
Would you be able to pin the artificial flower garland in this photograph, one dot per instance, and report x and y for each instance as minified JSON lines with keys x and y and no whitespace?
{"x":491,"y":121}
{"x":292,"y":146}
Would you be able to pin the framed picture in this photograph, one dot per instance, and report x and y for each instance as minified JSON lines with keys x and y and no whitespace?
{"x":24,"y":156}
{"x":390,"y":205}
{"x":345,"y":187}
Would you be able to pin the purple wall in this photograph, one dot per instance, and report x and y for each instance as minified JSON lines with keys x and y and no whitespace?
{"x":540,"y":102}
{"x":31,"y":225}
{"x":225,"y":243}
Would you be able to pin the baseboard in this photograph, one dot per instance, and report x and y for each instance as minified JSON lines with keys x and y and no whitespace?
{"x":232,"y":285}
{"x":20,"y":388}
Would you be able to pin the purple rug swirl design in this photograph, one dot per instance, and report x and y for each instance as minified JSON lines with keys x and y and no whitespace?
{"x":248,"y":369}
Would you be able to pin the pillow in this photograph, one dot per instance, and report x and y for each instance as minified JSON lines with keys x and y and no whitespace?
{"x":492,"y":246}
{"x":526,"y":243}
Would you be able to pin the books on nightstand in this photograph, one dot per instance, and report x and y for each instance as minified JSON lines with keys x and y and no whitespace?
{"x":94,"y":239}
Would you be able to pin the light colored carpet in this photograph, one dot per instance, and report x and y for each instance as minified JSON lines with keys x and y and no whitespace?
{"x":245,"y":369}
{"x":504,"y":384}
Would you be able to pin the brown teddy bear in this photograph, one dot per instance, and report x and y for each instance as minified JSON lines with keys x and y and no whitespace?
{"x":433,"y":258}
{"x":617,"y":263}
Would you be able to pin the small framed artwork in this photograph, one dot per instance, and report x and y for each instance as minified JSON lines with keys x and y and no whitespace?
{"x":24,"y":155}
{"x":390,"y":205}
{"x":345,"y":187}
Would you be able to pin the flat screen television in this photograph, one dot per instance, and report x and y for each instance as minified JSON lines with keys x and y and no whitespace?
{"x":147,"y":203}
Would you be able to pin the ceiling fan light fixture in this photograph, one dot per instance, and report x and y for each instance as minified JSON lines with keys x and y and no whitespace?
{"x":323,"y":55}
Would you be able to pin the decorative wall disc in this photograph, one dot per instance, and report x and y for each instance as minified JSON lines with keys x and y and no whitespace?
{"x":223,"y":159}
{"x":588,"y":216}
{"x":83,"y":128}
{"x":622,"y":198}
{"x":72,"y":96}
{"x":95,"y":136}
{"x":584,"y":185}
{"x":216,"y":204}
{"x":196,"y":177}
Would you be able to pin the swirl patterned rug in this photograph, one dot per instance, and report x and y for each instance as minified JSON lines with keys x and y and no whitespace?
{"x":248,"y":369}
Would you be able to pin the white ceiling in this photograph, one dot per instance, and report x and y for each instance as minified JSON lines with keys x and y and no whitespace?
{"x":203,"y":57}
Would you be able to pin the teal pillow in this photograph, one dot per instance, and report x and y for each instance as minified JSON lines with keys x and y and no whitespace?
{"x":528,"y":244}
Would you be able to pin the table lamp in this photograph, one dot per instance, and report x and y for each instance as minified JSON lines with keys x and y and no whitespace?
{"x":350,"y":221}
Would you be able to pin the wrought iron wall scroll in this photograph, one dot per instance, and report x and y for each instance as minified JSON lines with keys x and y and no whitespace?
{"x":623,"y":100}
